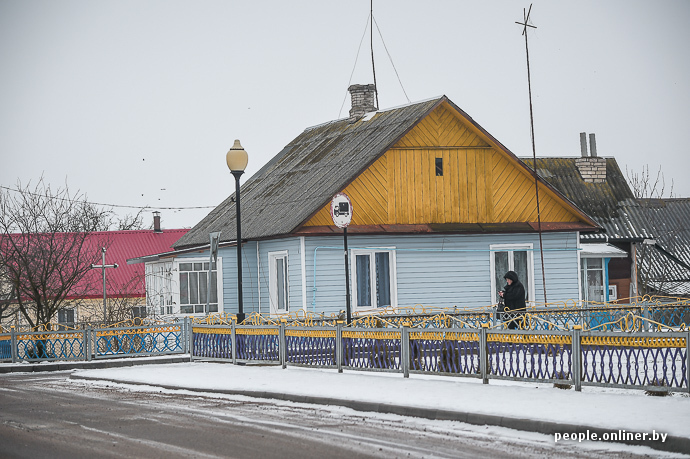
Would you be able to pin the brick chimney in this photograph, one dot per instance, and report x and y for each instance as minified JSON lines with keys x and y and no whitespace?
{"x":592,"y":168}
{"x":363,"y":97}
{"x":157,"y":222}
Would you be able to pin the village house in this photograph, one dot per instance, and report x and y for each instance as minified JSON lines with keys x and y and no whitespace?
{"x":642,"y":242}
{"x":125,"y":285}
{"x":441,"y":210}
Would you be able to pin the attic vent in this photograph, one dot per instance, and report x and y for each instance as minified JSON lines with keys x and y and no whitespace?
{"x":363,"y":96}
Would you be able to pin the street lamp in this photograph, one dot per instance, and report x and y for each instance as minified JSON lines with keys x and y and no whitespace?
{"x":237,"y":160}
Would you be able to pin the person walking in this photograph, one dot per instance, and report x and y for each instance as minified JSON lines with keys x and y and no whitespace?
{"x":513,"y":295}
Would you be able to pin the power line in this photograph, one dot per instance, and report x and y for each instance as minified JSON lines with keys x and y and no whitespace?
{"x":106,"y":205}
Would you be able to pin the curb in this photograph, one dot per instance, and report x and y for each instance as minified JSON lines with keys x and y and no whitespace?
{"x":90,"y":365}
{"x":673,"y":444}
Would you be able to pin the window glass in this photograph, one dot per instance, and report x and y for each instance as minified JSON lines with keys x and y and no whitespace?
{"x":185,"y":266}
{"x":280,"y":282}
{"x":383,"y":280}
{"x":194,"y":287}
{"x":203,"y":286}
{"x":500,"y":269}
{"x":521,"y":268}
{"x":184,"y":288}
{"x":363,"y":272}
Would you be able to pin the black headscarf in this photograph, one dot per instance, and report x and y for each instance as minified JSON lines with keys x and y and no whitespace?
{"x":514,"y":294}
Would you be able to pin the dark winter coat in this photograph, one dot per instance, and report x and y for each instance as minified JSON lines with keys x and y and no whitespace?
{"x":514,"y":294}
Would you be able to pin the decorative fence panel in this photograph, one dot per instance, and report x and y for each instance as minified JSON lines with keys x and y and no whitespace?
{"x":530,"y":356}
{"x":212,"y":341}
{"x":649,"y":361}
{"x":444,"y":351}
{"x":315,"y":347}
{"x":373,"y":349}
{"x":41,"y":346}
{"x":257,"y":343}
{"x":6,"y":346}
{"x":147,"y":340}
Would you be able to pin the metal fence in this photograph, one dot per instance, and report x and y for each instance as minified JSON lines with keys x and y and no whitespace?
{"x":651,"y":361}
{"x":96,"y":343}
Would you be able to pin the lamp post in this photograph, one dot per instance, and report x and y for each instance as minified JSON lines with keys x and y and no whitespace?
{"x":237,"y":160}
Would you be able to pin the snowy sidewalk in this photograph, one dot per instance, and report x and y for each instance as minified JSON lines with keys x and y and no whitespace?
{"x":524,"y":406}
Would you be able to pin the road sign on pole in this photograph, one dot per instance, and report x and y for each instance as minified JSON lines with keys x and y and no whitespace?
{"x":341,"y":213}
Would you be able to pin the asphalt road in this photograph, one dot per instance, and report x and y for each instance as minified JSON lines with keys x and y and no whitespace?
{"x":48,"y":415}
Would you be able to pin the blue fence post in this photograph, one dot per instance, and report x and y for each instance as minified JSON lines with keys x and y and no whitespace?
{"x":14,"y":350}
{"x":233,"y":342}
{"x":405,"y":349}
{"x":576,"y":361}
{"x":339,"y":346}
{"x":483,"y":354}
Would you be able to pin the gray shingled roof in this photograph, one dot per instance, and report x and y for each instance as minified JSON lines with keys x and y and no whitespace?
{"x":611,"y":204}
{"x":306,"y":174}
{"x":666,"y":270}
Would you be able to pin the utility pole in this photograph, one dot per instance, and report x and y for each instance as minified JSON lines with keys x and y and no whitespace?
{"x":103,"y":266}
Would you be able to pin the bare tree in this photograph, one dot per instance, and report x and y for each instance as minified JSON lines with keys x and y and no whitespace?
{"x":646,"y":185}
{"x":45,"y":247}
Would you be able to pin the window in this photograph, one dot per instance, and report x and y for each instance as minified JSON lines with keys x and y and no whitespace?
{"x":512,"y":257}
{"x":194,"y":287}
{"x":66,"y":317}
{"x":592,"y":275}
{"x":139,"y":312}
{"x":439,"y":167}
{"x":373,"y":278}
{"x":159,"y":287}
{"x":278,"y":278}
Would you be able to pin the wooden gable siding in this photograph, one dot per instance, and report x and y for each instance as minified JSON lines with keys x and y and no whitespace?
{"x":480,"y":182}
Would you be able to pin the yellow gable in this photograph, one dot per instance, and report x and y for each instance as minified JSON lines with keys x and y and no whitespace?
{"x":479,"y":182}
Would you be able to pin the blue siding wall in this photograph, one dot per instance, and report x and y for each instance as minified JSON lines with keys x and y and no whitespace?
{"x":442,"y":271}
{"x":432,"y":270}
{"x":292,"y":245}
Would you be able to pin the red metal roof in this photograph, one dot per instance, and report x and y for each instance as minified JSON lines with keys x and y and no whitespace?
{"x":126,"y":280}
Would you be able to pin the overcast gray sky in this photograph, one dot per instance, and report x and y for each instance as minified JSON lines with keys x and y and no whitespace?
{"x":136,"y":102}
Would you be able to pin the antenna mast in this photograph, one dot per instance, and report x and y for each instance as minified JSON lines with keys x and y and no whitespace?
{"x":524,"y":25}
{"x":371,"y":44}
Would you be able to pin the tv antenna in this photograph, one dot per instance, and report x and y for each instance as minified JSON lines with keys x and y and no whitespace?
{"x":525,"y":24}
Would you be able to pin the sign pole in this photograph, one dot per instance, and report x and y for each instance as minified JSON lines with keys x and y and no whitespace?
{"x":347,"y":279}
{"x":341,"y":213}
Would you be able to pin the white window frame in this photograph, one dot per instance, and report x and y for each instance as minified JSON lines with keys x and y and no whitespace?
{"x":176,"y":288}
{"x":273,"y":257}
{"x":585,"y":269}
{"x":372,"y":266}
{"x":493,"y":248}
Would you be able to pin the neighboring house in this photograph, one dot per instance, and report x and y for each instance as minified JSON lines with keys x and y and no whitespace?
{"x":441,"y":211}
{"x":125,"y":285}
{"x":664,"y":266}
{"x":597,"y":186}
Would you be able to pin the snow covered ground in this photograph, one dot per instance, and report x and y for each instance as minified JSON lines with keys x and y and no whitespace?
{"x":611,"y":409}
